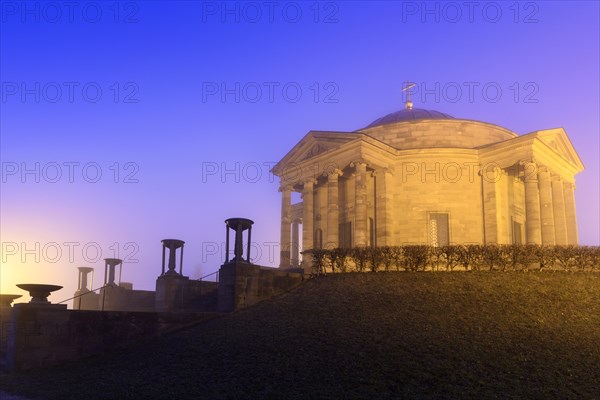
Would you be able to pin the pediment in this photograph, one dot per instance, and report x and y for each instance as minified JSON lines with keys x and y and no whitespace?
{"x":558,"y":140}
{"x":317,"y":148}
{"x":314,"y":144}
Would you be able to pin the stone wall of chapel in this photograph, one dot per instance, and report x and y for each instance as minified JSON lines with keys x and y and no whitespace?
{"x":439,"y":133}
{"x":437,"y":186}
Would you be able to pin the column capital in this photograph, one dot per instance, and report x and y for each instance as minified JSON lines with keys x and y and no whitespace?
{"x":383,"y":171}
{"x":309,"y":182}
{"x":529,"y":173}
{"x":528,"y":170}
{"x":333,"y":174}
{"x":544,"y":169}
{"x":285,"y":188}
{"x":358,"y":162}
{"x":569,"y":185}
{"x":531,"y":160}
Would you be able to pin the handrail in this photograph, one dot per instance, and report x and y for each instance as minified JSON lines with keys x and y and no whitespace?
{"x":82,"y":294}
{"x":206,"y":276}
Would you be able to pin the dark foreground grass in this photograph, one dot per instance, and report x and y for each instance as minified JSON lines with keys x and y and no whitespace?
{"x":370,"y":335}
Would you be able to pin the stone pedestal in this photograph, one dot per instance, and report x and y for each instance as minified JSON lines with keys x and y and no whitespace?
{"x":27,"y":347}
{"x":242,"y":284}
{"x":170,"y":292}
{"x":86,"y":300}
{"x":227,"y":297}
{"x":5,"y":315}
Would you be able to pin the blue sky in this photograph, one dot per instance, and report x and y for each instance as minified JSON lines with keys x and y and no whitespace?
{"x":182,"y":107}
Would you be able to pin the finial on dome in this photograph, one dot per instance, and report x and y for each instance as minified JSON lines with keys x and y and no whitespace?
{"x":409,"y":85}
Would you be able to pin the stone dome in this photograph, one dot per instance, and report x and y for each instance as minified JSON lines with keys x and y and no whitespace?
{"x":418,"y":128}
{"x":408,"y":115}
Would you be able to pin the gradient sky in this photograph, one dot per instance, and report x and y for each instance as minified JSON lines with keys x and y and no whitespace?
{"x":184,"y":106}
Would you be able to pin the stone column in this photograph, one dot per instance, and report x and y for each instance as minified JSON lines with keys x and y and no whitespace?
{"x":307,"y":222}
{"x":489,"y":202}
{"x":546,"y":207}
{"x":295,"y":243}
{"x":360,"y":179}
{"x":570,"y":214}
{"x":286,"y":216}
{"x":333,"y":219}
{"x":384,"y":197}
{"x":558,"y":205}
{"x":110,"y":265}
{"x":83,"y":278}
{"x":533,"y":225}
{"x":84,"y":298}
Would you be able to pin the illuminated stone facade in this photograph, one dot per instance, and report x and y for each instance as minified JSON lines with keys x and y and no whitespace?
{"x":424,"y":177}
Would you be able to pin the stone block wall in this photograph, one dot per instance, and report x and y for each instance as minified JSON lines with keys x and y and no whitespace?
{"x":179,"y":293}
{"x":86,"y":300}
{"x":437,"y":182}
{"x":242,"y":285}
{"x":116,"y":298}
{"x":46,"y":335}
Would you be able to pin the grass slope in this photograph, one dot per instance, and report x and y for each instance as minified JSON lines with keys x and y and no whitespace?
{"x":370,"y":335}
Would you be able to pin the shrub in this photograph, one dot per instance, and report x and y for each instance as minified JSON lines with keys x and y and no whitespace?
{"x":338,"y":258}
{"x":416,"y":257}
{"x":318,"y":257}
{"x":360,"y":257}
{"x":436,"y":257}
{"x":374,"y":256}
{"x":387,"y":257}
{"x":566,"y":256}
{"x":470,"y":255}
{"x":492,"y":256}
{"x":544,"y":255}
{"x":451,"y":256}
{"x":516,"y":257}
{"x":397,"y":254}
{"x":511,"y":257}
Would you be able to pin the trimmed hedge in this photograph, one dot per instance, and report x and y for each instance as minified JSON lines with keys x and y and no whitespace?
{"x":511,"y":257}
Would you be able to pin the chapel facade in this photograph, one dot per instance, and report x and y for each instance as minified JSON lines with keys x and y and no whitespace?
{"x":420,"y":176}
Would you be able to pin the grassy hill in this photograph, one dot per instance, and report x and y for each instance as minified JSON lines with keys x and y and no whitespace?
{"x":371,"y":335}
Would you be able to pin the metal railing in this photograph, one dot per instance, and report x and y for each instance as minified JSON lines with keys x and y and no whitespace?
{"x":204,"y":278}
{"x":212,"y":277}
{"x":83,"y":294}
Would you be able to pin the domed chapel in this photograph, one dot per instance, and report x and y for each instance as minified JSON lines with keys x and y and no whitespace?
{"x":420,"y":176}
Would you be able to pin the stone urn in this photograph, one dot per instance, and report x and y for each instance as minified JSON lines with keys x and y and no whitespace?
{"x":7,"y":299}
{"x":39,"y":292}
